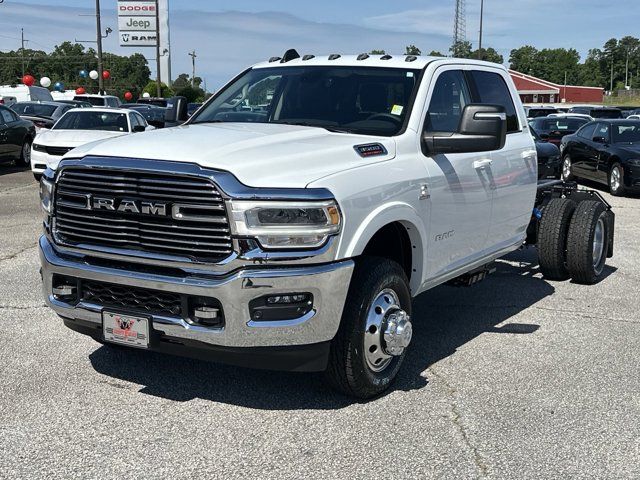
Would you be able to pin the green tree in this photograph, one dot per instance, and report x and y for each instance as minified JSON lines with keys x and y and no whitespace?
{"x":461,"y":49}
{"x":150,"y":88}
{"x":488,"y":55}
{"x":378,"y":52}
{"x":412,"y":50}
{"x":436,"y":53}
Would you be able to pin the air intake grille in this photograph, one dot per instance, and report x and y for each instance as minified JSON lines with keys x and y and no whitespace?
{"x":187,"y":217}
{"x":130,"y":298}
{"x":58,"y":151}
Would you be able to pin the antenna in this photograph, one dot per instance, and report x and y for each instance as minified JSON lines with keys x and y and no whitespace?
{"x":459,"y":25}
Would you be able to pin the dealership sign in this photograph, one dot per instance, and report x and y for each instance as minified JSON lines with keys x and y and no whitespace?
{"x":137,"y":26}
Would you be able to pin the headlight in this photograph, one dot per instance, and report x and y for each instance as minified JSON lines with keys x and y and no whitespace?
{"x":286,"y":224}
{"x":39,"y":148}
{"x":46,"y":189}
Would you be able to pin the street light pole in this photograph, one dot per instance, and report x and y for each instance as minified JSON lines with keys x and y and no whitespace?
{"x":193,"y":68}
{"x":158,"y":81}
{"x":480,"y":39}
{"x":99,"y":41}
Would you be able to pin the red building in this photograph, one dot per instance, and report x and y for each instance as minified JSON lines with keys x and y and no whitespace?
{"x":536,"y":90}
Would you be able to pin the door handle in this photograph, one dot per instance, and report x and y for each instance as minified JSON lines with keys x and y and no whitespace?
{"x":482,"y":164}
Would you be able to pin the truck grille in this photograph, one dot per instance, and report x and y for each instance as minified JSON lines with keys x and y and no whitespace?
{"x":131,"y":298}
{"x":199,"y":231}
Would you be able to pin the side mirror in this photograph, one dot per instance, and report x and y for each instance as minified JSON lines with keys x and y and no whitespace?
{"x":482,"y":128}
{"x":139,"y":128}
{"x":599,"y":139}
{"x":176,"y":112}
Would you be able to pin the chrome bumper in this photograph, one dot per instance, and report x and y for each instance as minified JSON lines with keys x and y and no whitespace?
{"x":327,"y":282}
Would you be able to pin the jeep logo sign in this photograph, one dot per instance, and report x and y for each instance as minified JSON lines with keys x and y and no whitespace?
{"x":136,"y":24}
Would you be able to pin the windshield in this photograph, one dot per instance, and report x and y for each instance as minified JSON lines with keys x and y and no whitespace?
{"x":95,"y":101}
{"x":366,"y":100}
{"x":626,"y":132}
{"x":606,"y":113}
{"x":88,"y":120}
{"x":35,"y":109}
{"x":558,"y":124}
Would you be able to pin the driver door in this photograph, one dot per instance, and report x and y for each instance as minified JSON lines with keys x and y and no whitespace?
{"x":460,"y":184}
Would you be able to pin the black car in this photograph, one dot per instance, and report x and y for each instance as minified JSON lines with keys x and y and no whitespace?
{"x":605,"y":151}
{"x":42,"y":114}
{"x":549,"y":164}
{"x":16,"y":137}
{"x":554,"y":129}
{"x":76,"y":103}
{"x":158,"y":102}
{"x":598,"y":112}
{"x":153,"y":115}
{"x":536,"y":112}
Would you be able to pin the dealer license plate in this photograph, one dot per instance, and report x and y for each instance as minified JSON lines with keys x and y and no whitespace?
{"x":125,"y":329}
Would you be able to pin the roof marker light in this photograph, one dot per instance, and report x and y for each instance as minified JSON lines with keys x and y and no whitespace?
{"x":308,"y":57}
{"x":363,"y":56}
{"x":386,"y":57}
{"x":334,"y":56}
{"x":410,"y":58}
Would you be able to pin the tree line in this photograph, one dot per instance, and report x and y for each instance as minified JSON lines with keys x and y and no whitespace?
{"x":607,"y":67}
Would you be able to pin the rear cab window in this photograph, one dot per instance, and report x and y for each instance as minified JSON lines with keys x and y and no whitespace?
{"x":491,"y":88}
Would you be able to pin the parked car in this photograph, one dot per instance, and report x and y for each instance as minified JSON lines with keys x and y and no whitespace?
{"x":572,"y":115}
{"x":16,"y":137}
{"x":22,"y":93}
{"x":76,"y":103}
{"x":295,"y":237}
{"x":554,"y":129}
{"x":633,"y":117}
{"x":153,"y":114}
{"x":42,"y":114}
{"x":99,"y":100}
{"x":535,"y":112}
{"x":598,"y":112}
{"x":605,"y":151}
{"x":549,"y":163}
{"x":192,"y":107}
{"x":78,"y":127}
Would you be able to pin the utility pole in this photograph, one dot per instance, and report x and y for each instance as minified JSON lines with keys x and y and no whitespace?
{"x":193,"y":68}
{"x":611,"y":89}
{"x":158,"y":81}
{"x":99,"y":42}
{"x":626,"y":72}
{"x":480,"y":39}
{"x":22,"y":50}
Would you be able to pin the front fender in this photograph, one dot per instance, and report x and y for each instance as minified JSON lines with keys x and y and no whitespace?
{"x":383,"y":215}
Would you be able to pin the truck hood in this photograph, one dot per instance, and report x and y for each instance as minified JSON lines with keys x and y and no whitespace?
{"x":259,"y":155}
{"x":73,"y":138}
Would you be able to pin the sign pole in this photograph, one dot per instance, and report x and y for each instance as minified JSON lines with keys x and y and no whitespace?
{"x":158,"y":82}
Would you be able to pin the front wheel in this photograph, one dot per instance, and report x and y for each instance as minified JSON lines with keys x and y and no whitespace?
{"x":375,"y":330}
{"x":616,"y":180}
{"x":25,"y":155}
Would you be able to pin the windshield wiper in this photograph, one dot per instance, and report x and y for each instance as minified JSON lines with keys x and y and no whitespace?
{"x":208,"y":121}
{"x":329,"y":128}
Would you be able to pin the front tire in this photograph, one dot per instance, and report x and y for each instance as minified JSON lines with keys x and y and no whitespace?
{"x":616,"y":180}
{"x":25,"y":155}
{"x":375,"y":331}
{"x":588,"y":242}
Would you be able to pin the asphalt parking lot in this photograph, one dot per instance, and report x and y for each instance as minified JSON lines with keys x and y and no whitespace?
{"x":516,"y":377}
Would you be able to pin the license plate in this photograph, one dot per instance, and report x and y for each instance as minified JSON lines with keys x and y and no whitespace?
{"x":125,"y":329}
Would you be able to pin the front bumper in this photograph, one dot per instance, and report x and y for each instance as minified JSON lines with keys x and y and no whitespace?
{"x":328,"y":283}
{"x":40,"y":161}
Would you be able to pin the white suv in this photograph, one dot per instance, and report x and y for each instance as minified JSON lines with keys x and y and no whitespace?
{"x":291,"y":220}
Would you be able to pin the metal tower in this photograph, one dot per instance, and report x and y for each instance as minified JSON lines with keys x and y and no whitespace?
{"x":460,"y":23}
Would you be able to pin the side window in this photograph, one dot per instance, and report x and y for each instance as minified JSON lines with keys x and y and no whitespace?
{"x":141,"y":120}
{"x":602,"y":130}
{"x":6,"y":116}
{"x":587,"y":131}
{"x":450,"y":96}
{"x":134,"y":121}
{"x":493,"y":89}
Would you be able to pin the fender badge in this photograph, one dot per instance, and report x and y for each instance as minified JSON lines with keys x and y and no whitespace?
{"x":370,"y":149}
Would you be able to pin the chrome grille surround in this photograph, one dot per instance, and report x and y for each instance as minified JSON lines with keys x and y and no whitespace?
{"x":187,"y":217}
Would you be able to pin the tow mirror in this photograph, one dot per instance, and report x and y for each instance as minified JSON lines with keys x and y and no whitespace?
{"x":176,"y":111}
{"x":482,"y":128}
{"x":139,"y":128}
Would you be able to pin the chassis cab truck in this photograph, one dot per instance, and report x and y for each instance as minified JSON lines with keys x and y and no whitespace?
{"x":291,"y":220}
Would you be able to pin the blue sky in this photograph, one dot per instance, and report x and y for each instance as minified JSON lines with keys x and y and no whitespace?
{"x":229,"y":35}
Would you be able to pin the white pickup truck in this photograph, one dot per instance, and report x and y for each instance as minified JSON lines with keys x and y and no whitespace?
{"x":289,"y":222}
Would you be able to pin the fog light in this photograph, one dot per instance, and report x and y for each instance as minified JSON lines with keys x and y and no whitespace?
{"x":64,"y":290}
{"x":288,"y":306}
{"x":280,"y":299}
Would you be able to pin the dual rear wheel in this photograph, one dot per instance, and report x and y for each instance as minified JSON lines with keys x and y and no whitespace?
{"x":573,"y":240}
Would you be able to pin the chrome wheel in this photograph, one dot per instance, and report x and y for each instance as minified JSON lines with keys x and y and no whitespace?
{"x":615,"y":179}
{"x":566,"y":168}
{"x":26,"y":153}
{"x":387,"y":332}
{"x":598,"y":245}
